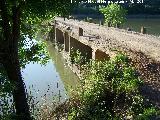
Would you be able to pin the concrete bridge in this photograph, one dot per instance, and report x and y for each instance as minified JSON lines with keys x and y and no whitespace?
{"x":100,"y":42}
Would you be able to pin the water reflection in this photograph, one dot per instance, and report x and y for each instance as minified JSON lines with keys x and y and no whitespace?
{"x":42,"y":81}
{"x":69,"y":79}
{"x":47,"y":81}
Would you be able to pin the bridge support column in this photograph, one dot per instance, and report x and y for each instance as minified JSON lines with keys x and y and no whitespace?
{"x":59,"y":38}
{"x":84,"y":49}
{"x":99,"y":55}
{"x":143,"y":30}
{"x":80,"y":31}
{"x":66,"y":42}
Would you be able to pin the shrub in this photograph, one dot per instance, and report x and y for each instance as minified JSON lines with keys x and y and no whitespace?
{"x":114,"y":14}
{"x":77,"y":58}
{"x":108,"y":90}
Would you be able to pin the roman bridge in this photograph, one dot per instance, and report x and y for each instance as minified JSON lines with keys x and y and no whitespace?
{"x":101,"y":42}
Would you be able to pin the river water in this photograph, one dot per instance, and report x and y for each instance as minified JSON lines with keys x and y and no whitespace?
{"x":152,"y":25}
{"x":51,"y":81}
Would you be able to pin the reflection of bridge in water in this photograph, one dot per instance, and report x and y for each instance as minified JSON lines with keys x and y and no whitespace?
{"x":100,"y":43}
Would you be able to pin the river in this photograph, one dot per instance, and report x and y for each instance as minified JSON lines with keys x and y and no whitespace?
{"x":152,"y":25}
{"x":47,"y":82}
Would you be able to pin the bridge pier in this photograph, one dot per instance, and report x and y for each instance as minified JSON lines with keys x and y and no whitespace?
{"x":99,"y":55}
{"x":51,"y":35}
{"x":66,"y":41}
{"x":144,"y":55}
{"x":84,"y":49}
{"x":59,"y":38}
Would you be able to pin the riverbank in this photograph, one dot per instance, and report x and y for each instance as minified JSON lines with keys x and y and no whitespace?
{"x":143,"y":16}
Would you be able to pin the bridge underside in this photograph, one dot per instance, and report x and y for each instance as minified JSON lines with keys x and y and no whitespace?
{"x":84,"y":49}
{"x":74,"y":44}
{"x":59,"y":38}
{"x":66,"y":42}
{"x":99,"y":55}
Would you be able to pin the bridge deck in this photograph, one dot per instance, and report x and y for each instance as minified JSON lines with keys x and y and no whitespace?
{"x":105,"y":38}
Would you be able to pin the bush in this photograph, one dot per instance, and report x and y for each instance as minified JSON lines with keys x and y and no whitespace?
{"x":77,"y":58}
{"x":114,"y":14}
{"x":108,"y":90}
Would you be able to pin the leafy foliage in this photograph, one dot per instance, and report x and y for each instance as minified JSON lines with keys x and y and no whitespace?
{"x":33,"y":51}
{"x":76,"y":57}
{"x":6,"y":98}
{"x":109,"y":90}
{"x":114,"y":14}
{"x":148,"y":114}
{"x":107,"y":87}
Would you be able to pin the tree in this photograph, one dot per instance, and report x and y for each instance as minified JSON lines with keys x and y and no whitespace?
{"x":114,"y":14}
{"x":19,"y":19}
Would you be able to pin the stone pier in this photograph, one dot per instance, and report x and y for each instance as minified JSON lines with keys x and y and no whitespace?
{"x":84,"y":49}
{"x":99,"y":55}
{"x":66,"y":41}
{"x":59,"y":37}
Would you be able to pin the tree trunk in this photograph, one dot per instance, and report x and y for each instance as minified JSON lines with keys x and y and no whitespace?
{"x":10,"y":60}
{"x":12,"y":67}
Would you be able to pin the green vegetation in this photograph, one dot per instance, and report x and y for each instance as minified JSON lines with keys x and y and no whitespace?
{"x":109,"y":90}
{"x":34,"y":52}
{"x":6,"y":98}
{"x":77,"y":58}
{"x":114,"y":14}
